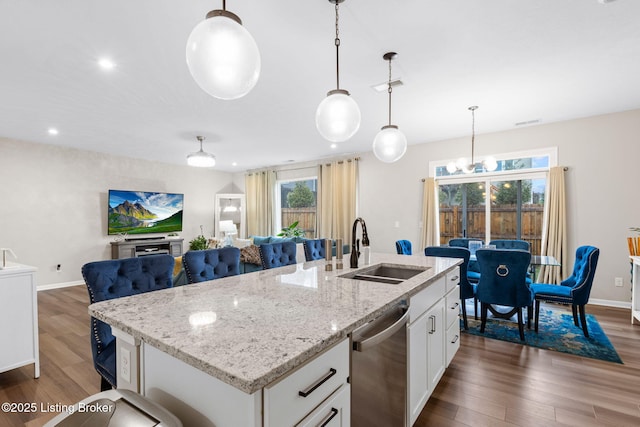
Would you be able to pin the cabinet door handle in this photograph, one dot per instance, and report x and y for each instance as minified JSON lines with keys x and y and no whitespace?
{"x":455,"y":278}
{"x":432,"y":319}
{"x":326,"y":420}
{"x":454,"y":306}
{"x":312,"y":387}
{"x":455,"y":339}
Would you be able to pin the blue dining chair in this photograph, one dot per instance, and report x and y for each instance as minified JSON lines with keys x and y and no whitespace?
{"x":503,"y":282}
{"x":210,"y":264}
{"x":117,"y":278}
{"x":403,"y":247}
{"x":277,"y":254}
{"x":574,"y":290}
{"x":473,"y":271}
{"x":523,"y":245}
{"x":467,"y":290}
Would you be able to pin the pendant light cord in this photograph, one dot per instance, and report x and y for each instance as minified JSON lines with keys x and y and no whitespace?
{"x":224,"y":4}
{"x":389,"y":89}
{"x":337,"y":43}
{"x":473,"y":132}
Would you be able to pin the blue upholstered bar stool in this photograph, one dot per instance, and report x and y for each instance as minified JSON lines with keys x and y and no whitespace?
{"x":575,"y":289}
{"x":467,"y":290}
{"x":211,"y":264}
{"x":503,"y":282}
{"x":314,"y":249}
{"x":277,"y":254}
{"x":403,"y":247}
{"x":117,"y":278}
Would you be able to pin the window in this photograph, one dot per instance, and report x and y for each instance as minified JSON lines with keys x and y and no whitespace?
{"x":505,"y":204}
{"x":296,"y":200}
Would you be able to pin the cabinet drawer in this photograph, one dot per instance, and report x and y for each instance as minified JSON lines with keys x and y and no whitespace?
{"x":420,"y":302}
{"x":453,"y":278}
{"x":334,"y":412}
{"x":452,"y":306}
{"x":284,"y":401}
{"x":452,"y":343}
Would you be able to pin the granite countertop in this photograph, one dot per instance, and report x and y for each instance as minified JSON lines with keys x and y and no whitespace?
{"x":249,"y":330}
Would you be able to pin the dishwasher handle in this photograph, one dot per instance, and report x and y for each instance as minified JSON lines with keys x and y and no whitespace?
{"x":366,"y":344}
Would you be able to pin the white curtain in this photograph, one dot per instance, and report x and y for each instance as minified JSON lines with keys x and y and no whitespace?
{"x":260,"y":189}
{"x":337,"y":198}
{"x":554,"y":234}
{"x":430,"y":233}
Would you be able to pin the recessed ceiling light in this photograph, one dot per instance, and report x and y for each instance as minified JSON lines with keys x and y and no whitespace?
{"x":234,"y":164}
{"x":52,"y":131}
{"x":334,"y":145}
{"x":106,"y":64}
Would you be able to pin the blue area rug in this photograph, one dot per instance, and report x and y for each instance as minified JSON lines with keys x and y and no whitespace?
{"x":556,"y":331}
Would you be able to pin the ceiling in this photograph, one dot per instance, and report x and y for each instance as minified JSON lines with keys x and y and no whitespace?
{"x":519,"y":61}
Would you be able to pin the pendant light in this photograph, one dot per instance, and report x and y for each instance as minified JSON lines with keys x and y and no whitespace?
{"x":390,"y":144}
{"x":222,"y":56}
{"x":201,"y":159}
{"x":338,"y":115}
{"x":489,"y":164}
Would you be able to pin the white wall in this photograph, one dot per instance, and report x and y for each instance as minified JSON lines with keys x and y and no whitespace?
{"x":53,"y":202}
{"x":602,"y":154}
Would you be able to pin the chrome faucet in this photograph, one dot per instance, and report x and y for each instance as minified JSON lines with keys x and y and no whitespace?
{"x":355,"y":243}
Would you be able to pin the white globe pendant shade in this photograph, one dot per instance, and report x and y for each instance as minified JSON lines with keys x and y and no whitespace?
{"x":338,"y":116}
{"x":222,"y":56}
{"x":390,"y":144}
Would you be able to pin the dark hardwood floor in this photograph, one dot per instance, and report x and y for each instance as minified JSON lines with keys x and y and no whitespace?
{"x":489,"y":382}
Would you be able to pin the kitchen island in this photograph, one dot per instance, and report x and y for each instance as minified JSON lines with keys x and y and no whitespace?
{"x":218,"y":353}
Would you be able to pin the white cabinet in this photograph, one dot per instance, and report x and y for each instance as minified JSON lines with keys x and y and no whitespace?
{"x":635,"y":289}
{"x":334,"y":412}
{"x":433,"y":315}
{"x":292,"y":398}
{"x":19,"y":318}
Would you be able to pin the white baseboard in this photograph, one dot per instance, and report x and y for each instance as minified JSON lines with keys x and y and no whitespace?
{"x":59,"y":285}
{"x":610,"y":303}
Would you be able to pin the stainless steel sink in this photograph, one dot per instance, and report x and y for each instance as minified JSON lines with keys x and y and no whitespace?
{"x":385,"y":273}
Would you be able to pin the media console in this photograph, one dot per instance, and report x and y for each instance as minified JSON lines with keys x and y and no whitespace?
{"x":132,"y":248}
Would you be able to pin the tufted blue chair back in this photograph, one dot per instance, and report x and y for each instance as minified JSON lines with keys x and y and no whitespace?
{"x":314,"y":249}
{"x":277,"y":254}
{"x":462,"y":242}
{"x":117,"y":278}
{"x":503,"y":274}
{"x":403,"y":247}
{"x":584,"y":270}
{"x":210,"y":264}
{"x":523,"y":245}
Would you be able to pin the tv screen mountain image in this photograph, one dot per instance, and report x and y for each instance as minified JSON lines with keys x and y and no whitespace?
{"x":138,"y":212}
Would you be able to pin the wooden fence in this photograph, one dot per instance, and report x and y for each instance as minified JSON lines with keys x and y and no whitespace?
{"x":503,"y":223}
{"x":306,"y":218}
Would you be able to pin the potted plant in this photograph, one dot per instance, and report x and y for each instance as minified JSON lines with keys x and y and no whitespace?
{"x":292,"y":231}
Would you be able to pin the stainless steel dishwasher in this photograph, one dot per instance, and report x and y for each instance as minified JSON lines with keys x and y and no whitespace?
{"x":379,"y":371}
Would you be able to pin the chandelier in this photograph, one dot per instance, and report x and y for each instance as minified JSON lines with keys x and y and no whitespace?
{"x":489,"y":164}
{"x":201,"y":159}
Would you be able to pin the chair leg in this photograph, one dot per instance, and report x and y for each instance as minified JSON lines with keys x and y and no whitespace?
{"x":537,"y":316}
{"x":575,"y":315}
{"x":483,"y":316}
{"x":529,"y":315}
{"x":583,"y":320}
{"x":104,"y":384}
{"x":520,"y":324}
{"x":464,"y":315}
{"x":475,"y":307}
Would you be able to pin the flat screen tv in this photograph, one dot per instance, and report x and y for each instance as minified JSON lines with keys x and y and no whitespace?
{"x":140,"y":212}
